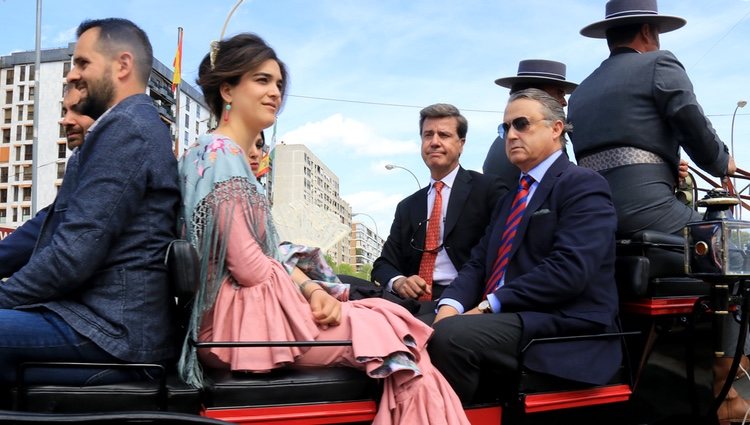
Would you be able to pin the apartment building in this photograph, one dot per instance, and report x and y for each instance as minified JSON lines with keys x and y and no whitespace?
{"x":365,"y":245}
{"x":306,"y":202}
{"x":18,"y":93}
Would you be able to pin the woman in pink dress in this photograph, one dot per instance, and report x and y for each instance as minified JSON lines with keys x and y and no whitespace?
{"x":247,"y":294}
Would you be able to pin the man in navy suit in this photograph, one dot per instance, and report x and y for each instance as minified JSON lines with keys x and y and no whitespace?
{"x":16,"y":249}
{"x":468,"y":199}
{"x":559,"y":279}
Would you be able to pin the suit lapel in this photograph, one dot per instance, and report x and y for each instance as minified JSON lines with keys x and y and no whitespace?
{"x":540,"y":196}
{"x":418,"y":214}
{"x":459,"y":195}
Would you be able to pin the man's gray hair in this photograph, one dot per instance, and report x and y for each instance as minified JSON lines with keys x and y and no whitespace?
{"x":444,"y":110}
{"x":551,"y":108}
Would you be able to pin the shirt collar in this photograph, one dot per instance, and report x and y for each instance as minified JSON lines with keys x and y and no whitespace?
{"x":622,"y":49}
{"x":541,"y":169}
{"x":447,"y":180}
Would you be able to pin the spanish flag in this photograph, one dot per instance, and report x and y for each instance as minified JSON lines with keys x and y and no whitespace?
{"x":177,"y":64}
{"x":264,"y":166}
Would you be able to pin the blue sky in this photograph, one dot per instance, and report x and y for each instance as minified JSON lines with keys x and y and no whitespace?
{"x":411,"y":53}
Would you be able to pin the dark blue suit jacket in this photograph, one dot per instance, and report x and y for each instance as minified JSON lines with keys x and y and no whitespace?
{"x":16,"y":248}
{"x":560,"y":278}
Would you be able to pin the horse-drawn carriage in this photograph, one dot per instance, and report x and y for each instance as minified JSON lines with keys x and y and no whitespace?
{"x":656,"y":295}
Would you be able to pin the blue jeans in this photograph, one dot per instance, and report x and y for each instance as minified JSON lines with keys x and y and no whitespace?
{"x":41,"y":336}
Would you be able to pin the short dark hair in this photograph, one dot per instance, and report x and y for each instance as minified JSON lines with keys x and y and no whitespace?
{"x":118,"y":33}
{"x":444,"y":110}
{"x":235,"y":57}
{"x":622,"y":35}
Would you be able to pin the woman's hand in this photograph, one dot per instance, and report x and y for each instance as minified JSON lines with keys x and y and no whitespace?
{"x":326,"y":310}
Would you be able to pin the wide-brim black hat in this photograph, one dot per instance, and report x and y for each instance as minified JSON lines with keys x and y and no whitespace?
{"x":625,"y":12}
{"x":539,"y":71}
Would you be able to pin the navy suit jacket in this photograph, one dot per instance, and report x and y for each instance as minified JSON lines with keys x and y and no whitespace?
{"x":560,"y":277}
{"x":16,"y":248}
{"x":473,"y":197}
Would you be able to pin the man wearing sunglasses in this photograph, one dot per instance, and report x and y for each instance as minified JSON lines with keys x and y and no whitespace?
{"x":435,"y":228}
{"x":545,"y":268}
{"x":541,"y":74}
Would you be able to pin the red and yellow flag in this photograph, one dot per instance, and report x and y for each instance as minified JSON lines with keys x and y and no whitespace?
{"x":264,"y":166}
{"x":177,"y":64}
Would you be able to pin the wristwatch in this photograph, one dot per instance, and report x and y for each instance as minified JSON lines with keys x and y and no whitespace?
{"x":484,"y":307}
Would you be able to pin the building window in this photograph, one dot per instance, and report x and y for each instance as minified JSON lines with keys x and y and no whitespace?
{"x":9,"y":77}
{"x":26,"y":172}
{"x":26,"y":194}
{"x":7,"y":114}
{"x":187,"y":104}
{"x":21,"y":92}
{"x":22,"y":74}
{"x":9,"y":97}
{"x":20,"y":113}
{"x":4,"y":175}
{"x":31,"y":93}
{"x":66,"y":69}
{"x":15,"y":194}
{"x":60,"y":170}
{"x":28,"y":153}
{"x":26,"y":213}
{"x":15,"y":214}
{"x":62,"y":131}
{"x":32,"y":68}
{"x":187,"y":121}
{"x":18,"y":133}
{"x":18,"y":153}
{"x":29,"y":132}
{"x":30,"y":112}
{"x":61,"y":151}
{"x":187,"y":137}
{"x":3,"y":216}
{"x":3,"y":196}
{"x":6,"y":135}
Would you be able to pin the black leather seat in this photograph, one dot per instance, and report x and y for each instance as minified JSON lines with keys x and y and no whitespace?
{"x":288,"y":386}
{"x":651,"y":264}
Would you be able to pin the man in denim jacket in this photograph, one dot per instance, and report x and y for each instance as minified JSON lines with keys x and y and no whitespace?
{"x":95,"y":288}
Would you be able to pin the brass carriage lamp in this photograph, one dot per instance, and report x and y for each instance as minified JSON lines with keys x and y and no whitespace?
{"x":716,"y":251}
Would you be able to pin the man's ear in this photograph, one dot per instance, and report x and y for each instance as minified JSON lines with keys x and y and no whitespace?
{"x":557,"y":128}
{"x":125,"y":65}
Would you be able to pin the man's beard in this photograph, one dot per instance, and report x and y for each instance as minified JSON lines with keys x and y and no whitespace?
{"x":98,"y":97}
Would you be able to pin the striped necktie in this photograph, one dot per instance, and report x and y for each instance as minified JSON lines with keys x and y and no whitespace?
{"x":509,"y":233}
{"x":431,"y":240}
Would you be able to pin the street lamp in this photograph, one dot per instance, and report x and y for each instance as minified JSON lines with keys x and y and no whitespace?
{"x":740,"y":104}
{"x":373,"y":221}
{"x":392,"y":166}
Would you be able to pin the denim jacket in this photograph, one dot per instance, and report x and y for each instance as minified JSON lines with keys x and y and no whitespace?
{"x":16,"y":248}
{"x":98,"y":261}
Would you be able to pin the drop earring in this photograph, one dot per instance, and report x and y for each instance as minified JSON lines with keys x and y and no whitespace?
{"x":227,"y":108}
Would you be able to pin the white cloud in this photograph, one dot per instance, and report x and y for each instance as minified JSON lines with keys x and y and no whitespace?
{"x":347,"y":134}
{"x":65,"y":36}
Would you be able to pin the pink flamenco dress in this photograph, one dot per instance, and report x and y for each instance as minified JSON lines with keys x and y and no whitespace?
{"x":255,"y":299}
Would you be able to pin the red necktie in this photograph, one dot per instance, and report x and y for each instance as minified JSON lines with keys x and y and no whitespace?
{"x":431,"y":240}
{"x":506,"y":242}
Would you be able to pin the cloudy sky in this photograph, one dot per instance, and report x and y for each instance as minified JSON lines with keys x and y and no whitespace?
{"x":362,"y":69}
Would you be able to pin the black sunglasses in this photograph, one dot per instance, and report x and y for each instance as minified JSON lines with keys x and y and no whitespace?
{"x":414,"y":235}
{"x":520,"y":124}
